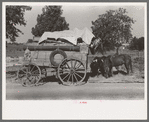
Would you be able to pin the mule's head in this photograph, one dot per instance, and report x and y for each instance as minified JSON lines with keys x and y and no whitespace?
{"x":95,"y":42}
{"x":91,"y":45}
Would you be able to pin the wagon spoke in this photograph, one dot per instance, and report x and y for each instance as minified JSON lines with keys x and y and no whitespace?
{"x":78,"y":66}
{"x":34,"y":74}
{"x":37,"y":77}
{"x":35,"y":71}
{"x":32,"y":68}
{"x":66,"y":76}
{"x":64,"y":67}
{"x":78,"y":75}
{"x":75,"y":63}
{"x":75,"y":77}
{"x":77,"y":69}
{"x":71,"y":64}
{"x":72,"y":78}
{"x":67,"y":65}
{"x":23,"y":71}
{"x":64,"y":71}
{"x":21,"y":75}
{"x":69,"y":78}
{"x":80,"y":71}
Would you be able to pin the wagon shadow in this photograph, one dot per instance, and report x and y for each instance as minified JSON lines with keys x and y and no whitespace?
{"x":52,"y":79}
{"x":49,"y":79}
{"x":87,"y":77}
{"x":120,"y":71}
{"x":114,"y":73}
{"x":94,"y":74}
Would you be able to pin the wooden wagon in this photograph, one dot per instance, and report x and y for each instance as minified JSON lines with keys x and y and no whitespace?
{"x":67,"y":63}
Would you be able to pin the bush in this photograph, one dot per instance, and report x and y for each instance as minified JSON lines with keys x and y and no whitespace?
{"x":137,"y":44}
{"x":30,"y":41}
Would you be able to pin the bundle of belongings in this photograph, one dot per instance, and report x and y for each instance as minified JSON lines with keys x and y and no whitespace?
{"x":67,"y":37}
{"x":27,"y":54}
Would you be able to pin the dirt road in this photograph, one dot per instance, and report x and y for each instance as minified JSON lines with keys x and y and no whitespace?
{"x":117,"y":88}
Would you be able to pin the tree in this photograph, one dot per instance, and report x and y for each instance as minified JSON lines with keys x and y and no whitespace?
{"x":133,"y":43}
{"x":50,"y":20}
{"x":30,"y":41}
{"x":15,"y":16}
{"x":141,"y":43}
{"x":137,"y":43}
{"x":113,"y":27}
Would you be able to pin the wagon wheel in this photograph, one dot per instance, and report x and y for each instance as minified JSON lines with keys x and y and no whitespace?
{"x":71,"y":72}
{"x":29,"y":74}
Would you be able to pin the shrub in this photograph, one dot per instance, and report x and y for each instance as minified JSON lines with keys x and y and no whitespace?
{"x":137,"y":44}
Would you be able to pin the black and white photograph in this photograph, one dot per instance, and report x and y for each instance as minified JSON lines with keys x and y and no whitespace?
{"x":74,"y":60}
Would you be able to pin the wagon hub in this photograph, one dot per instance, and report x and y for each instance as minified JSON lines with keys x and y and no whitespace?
{"x":28,"y":74}
{"x":72,"y":71}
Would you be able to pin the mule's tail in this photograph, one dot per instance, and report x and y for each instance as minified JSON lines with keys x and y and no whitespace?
{"x":131,"y":66}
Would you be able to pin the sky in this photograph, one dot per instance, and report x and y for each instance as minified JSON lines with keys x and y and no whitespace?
{"x":81,"y":15}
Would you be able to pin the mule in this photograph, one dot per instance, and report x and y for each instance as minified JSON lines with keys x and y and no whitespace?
{"x":115,"y":61}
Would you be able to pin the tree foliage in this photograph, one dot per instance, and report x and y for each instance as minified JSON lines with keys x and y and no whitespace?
{"x":50,"y":20}
{"x":15,"y":16}
{"x":30,"y":41}
{"x":137,"y":43}
{"x":113,"y":27}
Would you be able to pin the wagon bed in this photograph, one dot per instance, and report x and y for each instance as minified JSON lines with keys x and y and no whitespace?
{"x":70,"y":66}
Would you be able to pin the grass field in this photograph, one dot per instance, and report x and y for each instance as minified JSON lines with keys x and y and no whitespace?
{"x":14,"y":50}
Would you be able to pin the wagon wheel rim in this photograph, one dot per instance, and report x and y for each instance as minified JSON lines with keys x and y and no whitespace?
{"x":71,"y":72}
{"x":29,"y":74}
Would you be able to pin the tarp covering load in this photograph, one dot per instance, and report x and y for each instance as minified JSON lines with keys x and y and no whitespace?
{"x":70,"y":35}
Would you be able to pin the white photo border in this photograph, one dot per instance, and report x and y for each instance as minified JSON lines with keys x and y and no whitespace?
{"x":66,"y":109}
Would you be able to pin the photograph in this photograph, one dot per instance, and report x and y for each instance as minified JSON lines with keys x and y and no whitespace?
{"x":74,"y":55}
